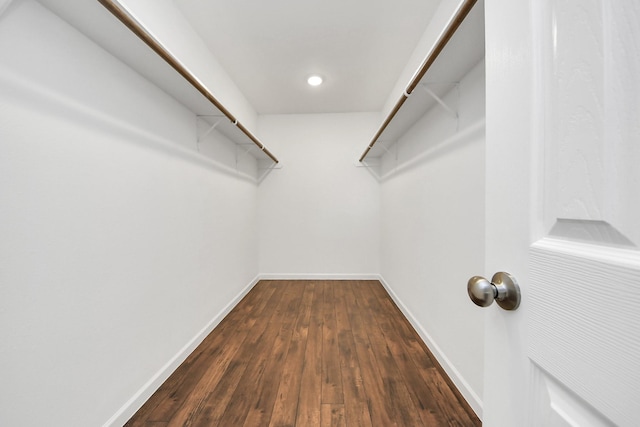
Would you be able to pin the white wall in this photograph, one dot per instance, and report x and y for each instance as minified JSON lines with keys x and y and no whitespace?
{"x":433,"y":231}
{"x":319,"y":214}
{"x":119,"y":243}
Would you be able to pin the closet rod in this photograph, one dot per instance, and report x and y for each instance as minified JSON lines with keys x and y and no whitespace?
{"x":114,"y":7}
{"x":449,"y":31}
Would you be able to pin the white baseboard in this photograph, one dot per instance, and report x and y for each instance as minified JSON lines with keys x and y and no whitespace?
{"x":317,"y":276}
{"x":467,"y":392}
{"x":145,"y":392}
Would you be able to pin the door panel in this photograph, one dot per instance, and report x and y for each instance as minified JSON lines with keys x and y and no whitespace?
{"x":584,"y":285}
{"x":563,"y":197}
{"x":557,"y":406}
{"x":583,"y":324}
{"x":591,"y":112}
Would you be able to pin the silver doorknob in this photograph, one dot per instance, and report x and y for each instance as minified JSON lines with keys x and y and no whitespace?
{"x":503,"y":288}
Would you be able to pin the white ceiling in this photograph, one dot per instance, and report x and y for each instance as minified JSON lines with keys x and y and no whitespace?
{"x":269,"y":48}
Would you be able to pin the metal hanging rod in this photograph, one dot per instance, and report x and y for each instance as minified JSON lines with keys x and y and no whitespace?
{"x":139,"y":30}
{"x":462,"y":12}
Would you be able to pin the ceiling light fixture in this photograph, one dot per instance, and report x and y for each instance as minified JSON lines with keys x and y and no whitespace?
{"x":314,"y":80}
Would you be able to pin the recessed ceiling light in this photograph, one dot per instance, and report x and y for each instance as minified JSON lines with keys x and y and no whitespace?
{"x":314,"y":80}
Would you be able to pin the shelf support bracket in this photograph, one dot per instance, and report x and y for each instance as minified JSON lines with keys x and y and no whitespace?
{"x":208,"y":131}
{"x":244,"y":152}
{"x":384,"y":146}
{"x":440,"y":101}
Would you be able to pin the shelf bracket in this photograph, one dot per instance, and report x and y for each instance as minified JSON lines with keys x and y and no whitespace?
{"x":264,"y":172}
{"x":453,"y":113}
{"x":209,"y":130}
{"x":372,"y":168}
{"x":384,"y":146}
{"x":244,"y":152}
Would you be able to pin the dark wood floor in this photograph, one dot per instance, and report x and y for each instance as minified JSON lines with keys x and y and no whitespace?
{"x":309,"y":353}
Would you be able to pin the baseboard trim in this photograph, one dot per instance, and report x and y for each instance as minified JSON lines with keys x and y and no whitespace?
{"x":317,"y":276}
{"x":463,"y":387}
{"x":141,"y":396}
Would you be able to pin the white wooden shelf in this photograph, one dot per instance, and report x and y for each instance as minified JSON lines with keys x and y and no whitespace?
{"x":137,"y":48}
{"x":459,"y":49}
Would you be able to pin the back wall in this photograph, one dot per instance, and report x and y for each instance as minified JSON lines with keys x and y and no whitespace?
{"x":319,"y":216}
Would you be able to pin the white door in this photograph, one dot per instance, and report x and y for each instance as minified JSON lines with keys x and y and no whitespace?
{"x":563,"y":212}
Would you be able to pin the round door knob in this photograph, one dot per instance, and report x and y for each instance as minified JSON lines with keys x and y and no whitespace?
{"x":503,"y":288}
{"x":481,"y":291}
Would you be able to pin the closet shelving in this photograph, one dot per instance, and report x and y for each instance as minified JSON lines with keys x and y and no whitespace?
{"x":226,"y":127}
{"x":459,"y":47}
{"x":161,"y":67}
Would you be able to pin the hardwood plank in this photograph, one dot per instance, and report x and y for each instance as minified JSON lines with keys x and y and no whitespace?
{"x":355,"y":399}
{"x":443,"y":401}
{"x":406,"y":413}
{"x":332,"y":415}
{"x":311,"y":384}
{"x":269,"y":379}
{"x":173,"y":394}
{"x":224,"y":365}
{"x":418,"y":392}
{"x":381,"y":408}
{"x":331,"y":375}
{"x":309,"y":353}
{"x":236,"y":397}
{"x":286,"y":404}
